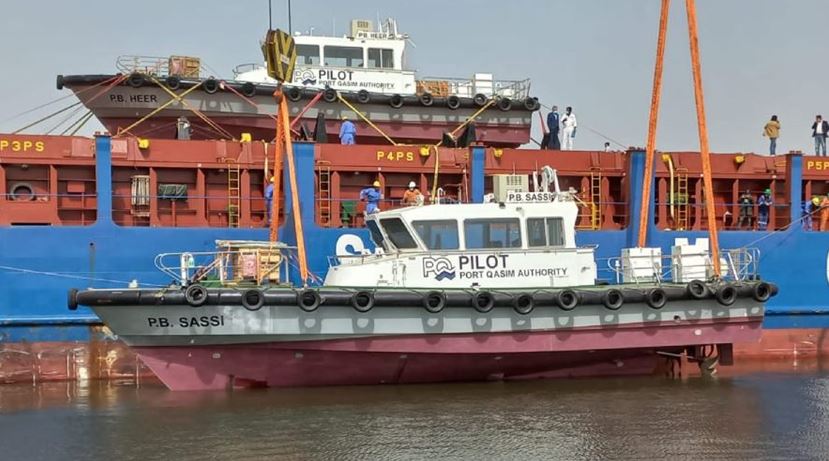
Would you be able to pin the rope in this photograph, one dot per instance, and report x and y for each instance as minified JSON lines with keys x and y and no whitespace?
{"x":365,"y":119}
{"x":486,"y":106}
{"x":224,"y":85}
{"x":40,"y":120}
{"x":64,"y":120}
{"x":198,"y":113}
{"x":70,"y":276}
{"x":80,"y":124}
{"x":58,"y":99}
{"x":159,"y":109}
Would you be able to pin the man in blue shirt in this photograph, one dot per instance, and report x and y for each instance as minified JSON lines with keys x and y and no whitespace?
{"x":553,"y":121}
{"x":269,"y":201}
{"x":347,"y":131}
{"x":764,"y":203}
{"x":371,"y":195}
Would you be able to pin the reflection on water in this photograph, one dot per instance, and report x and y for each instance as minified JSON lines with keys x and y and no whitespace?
{"x":756,"y":416}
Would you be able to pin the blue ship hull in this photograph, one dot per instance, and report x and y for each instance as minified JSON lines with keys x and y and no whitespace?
{"x":40,"y":264}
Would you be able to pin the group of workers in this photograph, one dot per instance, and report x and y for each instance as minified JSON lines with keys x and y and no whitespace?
{"x":820,"y":131}
{"x":372,"y":196}
{"x":746,"y":204}
{"x":566,"y":125}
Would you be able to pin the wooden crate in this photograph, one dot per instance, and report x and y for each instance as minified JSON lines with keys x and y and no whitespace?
{"x":437,"y":88}
{"x":184,"y":66}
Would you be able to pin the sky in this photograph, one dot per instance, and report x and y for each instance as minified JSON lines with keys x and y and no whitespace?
{"x":759,"y":57}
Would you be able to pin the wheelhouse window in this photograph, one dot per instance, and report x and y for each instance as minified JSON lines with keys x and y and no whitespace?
{"x":438,"y":234}
{"x":308,"y":55}
{"x":492,"y":233}
{"x":398,"y":234}
{"x":343,"y":56}
{"x":380,"y":58}
{"x":545,"y":232}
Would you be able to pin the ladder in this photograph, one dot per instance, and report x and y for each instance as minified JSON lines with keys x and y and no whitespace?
{"x":595,"y":198}
{"x":234,"y":199}
{"x":681,"y":200}
{"x":324,"y":194}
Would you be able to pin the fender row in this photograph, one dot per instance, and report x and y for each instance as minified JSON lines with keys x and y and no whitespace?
{"x":434,"y":301}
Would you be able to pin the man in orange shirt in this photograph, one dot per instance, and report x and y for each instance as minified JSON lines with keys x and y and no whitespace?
{"x":412,"y":196}
{"x":824,"y":213}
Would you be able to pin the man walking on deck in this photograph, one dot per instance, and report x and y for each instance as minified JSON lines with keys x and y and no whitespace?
{"x":746,"y":202}
{"x":819,"y":130}
{"x":268,"y":201}
{"x":371,"y":195}
{"x":764,"y":204}
{"x":553,"y":121}
{"x":347,"y":132}
{"x":568,"y":132}
{"x":772,"y":131}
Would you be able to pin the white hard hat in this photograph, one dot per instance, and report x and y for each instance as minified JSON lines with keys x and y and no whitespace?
{"x":412,"y":184}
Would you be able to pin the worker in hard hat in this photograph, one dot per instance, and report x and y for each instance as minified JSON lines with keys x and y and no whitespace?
{"x":824,"y":213}
{"x":412,"y":195}
{"x":182,"y":128}
{"x":746,"y":204}
{"x":348,"y":131}
{"x":372,"y":196}
{"x":268,"y":201}
{"x":806,"y":212}
{"x":764,"y":203}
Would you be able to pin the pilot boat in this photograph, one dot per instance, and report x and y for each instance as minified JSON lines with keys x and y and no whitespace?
{"x":452,"y":292}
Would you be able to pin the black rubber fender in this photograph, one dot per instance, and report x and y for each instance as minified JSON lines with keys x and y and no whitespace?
{"x":656,"y":298}
{"x":523,"y":303}
{"x":363,"y":97}
{"x":426,"y":99}
{"x":276,"y":297}
{"x":726,"y":294}
{"x":253,"y":299}
{"x":362,"y":301}
{"x":434,"y":301}
{"x":136,"y":80}
{"x":567,"y":300}
{"x":308,"y":299}
{"x":293,"y":93}
{"x":173,"y":82}
{"x":479,"y":100}
{"x":396,"y":101}
{"x":72,"y":299}
{"x":483,"y":301}
{"x":16,"y":195}
{"x":697,"y":290}
{"x":589,"y":297}
{"x":59,"y":82}
{"x":762,"y":292}
{"x":210,"y":86}
{"x":504,"y":104}
{"x":397,"y":298}
{"x":613,"y":299}
{"x":531,"y":104}
{"x":329,"y":95}
{"x":195,"y":295}
{"x":453,"y":102}
{"x":249,"y":89}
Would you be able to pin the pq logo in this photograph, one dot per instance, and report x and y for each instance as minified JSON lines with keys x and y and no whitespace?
{"x":440,"y":268}
{"x":307,"y":77}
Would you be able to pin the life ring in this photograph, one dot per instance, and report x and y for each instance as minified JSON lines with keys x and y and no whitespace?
{"x":453,"y":102}
{"x":762,"y":292}
{"x":613,"y":299}
{"x":329,"y":95}
{"x":697,"y":290}
{"x":362,"y":301}
{"x":22,"y":192}
{"x":195,"y":295}
{"x":308,"y":300}
{"x":249,"y":89}
{"x":523,"y":304}
{"x":363,"y":97}
{"x":726,"y":295}
{"x":434,"y":301}
{"x":396,"y":101}
{"x":567,"y":300}
{"x":211,"y":85}
{"x":294,"y":93}
{"x":136,"y":80}
{"x":504,"y":104}
{"x":173,"y":82}
{"x":531,"y":104}
{"x":253,"y":299}
{"x":426,"y":99}
{"x":479,"y":100}
{"x":483,"y":301}
{"x":656,"y":298}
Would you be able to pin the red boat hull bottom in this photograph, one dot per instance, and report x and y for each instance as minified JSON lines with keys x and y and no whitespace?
{"x":268,"y":365}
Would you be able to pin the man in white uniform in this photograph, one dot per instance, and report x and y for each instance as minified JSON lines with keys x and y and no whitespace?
{"x":568,"y":132}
